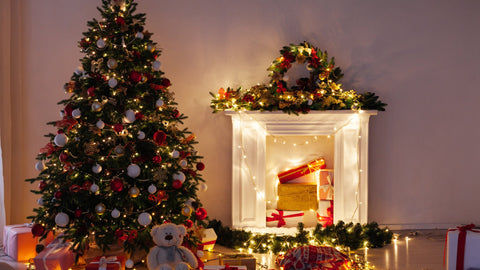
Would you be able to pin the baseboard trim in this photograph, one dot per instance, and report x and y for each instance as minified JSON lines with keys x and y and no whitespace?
{"x":420,"y":226}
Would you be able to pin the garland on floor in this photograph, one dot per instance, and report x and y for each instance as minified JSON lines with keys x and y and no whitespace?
{"x":321,"y":90}
{"x":343,"y":235}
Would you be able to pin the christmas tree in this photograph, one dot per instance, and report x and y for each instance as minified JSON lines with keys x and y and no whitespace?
{"x":119,"y":162}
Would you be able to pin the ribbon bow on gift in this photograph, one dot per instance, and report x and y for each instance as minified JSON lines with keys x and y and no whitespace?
{"x":106,"y":260}
{"x":462,"y":238}
{"x":281,"y":217}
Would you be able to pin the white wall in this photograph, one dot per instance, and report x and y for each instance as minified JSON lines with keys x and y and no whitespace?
{"x":420,"y":57}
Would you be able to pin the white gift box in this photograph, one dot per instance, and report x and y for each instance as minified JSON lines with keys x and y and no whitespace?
{"x":472,"y":250}
{"x":280,"y":218}
{"x":209,"y":237}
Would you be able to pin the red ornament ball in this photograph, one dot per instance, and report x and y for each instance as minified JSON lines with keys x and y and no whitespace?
{"x":157,"y":159}
{"x":118,"y":127}
{"x":120,"y":20}
{"x":135,"y":76}
{"x":200,"y":166}
{"x":91,"y":91}
{"x":175,"y":113}
{"x":42,"y":185}
{"x":38,"y":230}
{"x":78,"y":213}
{"x":68,"y":110}
{"x":116,"y":185}
{"x":58,"y":194}
{"x":166,"y":82}
{"x":201,"y":213}
{"x":188,"y":223}
{"x":119,"y":233}
{"x":139,"y":116}
{"x":160,"y":137}
{"x":177,"y":184}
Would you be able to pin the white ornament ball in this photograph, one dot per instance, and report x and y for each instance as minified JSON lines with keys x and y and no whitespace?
{"x":183,"y":163}
{"x":189,"y":202}
{"x":97,"y":168}
{"x":101,"y":43}
{"x":79,"y":70}
{"x":41,"y":201}
{"x":203,"y":187}
{"x":152,"y":189}
{"x":141,"y":135}
{"x":94,"y":188}
{"x":180,"y":176}
{"x":100,"y":124}
{"x":200,"y":253}
{"x":129,"y":263}
{"x":112,"y":63}
{"x":76,"y":113}
{"x":309,"y":102}
{"x":159,"y":102}
{"x":115,"y":213}
{"x":150,"y":47}
{"x":62,"y":219}
{"x":175,"y":154}
{"x":133,"y":170}
{"x":96,"y":106}
{"x":129,"y":116}
{"x":39,"y":166}
{"x":144,"y":219}
{"x":62,"y":114}
{"x":60,"y":139}
{"x":139,"y":35}
{"x":156,"y":65}
{"x":112,"y":82}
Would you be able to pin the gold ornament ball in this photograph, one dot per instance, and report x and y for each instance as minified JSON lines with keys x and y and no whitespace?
{"x":100,"y":208}
{"x":187,"y":211}
{"x":134,"y":192}
{"x":112,"y":63}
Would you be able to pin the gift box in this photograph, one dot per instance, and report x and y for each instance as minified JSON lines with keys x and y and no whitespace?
{"x":239,"y":259}
{"x":315,"y":257}
{"x":224,"y":267}
{"x":297,"y":197}
{"x":302,"y":174}
{"x":208,"y":239}
{"x":107,"y":263}
{"x":56,"y":256}
{"x":19,"y":242}
{"x":463,"y":244}
{"x":279,"y":218}
{"x":325,"y":177}
{"x":325,"y":192}
{"x":325,"y":213}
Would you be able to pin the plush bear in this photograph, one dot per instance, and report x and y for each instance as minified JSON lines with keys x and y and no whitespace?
{"x":168,"y":252}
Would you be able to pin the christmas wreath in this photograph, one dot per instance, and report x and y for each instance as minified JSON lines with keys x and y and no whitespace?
{"x":321,"y":90}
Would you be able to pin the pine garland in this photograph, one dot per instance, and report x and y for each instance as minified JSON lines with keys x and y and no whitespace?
{"x":344,"y":235}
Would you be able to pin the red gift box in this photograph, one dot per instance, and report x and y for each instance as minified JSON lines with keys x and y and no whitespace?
{"x":107,"y":263}
{"x":19,"y":243}
{"x":325,"y":213}
{"x":304,"y":170}
{"x":56,"y":256}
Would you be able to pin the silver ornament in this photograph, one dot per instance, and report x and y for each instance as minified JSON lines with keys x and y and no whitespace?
{"x":60,"y":139}
{"x":96,"y":106}
{"x":175,"y":154}
{"x":152,"y":189}
{"x":141,"y":135}
{"x":156,"y":65}
{"x":159,"y":102}
{"x":94,"y":188}
{"x":112,"y":63}
{"x":139,"y":35}
{"x":180,"y":176}
{"x":100,"y":124}
{"x":76,"y":113}
{"x":39,"y":166}
{"x":101,"y":43}
{"x":97,"y":168}
{"x":62,"y":219}
{"x":112,"y":82}
{"x":129,"y":116}
{"x":133,"y":170}
{"x":144,"y":219}
{"x":100,"y":208}
{"x":115,"y":213}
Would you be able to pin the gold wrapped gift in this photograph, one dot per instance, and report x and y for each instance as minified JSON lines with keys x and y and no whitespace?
{"x":239,"y":259}
{"x":297,"y":197}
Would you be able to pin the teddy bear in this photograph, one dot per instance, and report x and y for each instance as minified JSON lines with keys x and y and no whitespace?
{"x":168,"y":253}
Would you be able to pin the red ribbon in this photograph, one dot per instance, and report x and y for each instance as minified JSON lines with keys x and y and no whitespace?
{"x":281,"y":218}
{"x":462,"y":238}
{"x":202,"y":245}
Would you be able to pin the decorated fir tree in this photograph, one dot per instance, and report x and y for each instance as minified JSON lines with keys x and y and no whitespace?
{"x":119,"y":162}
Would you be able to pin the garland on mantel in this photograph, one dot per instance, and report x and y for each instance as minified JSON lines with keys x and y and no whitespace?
{"x":343,"y":235}
{"x":320,"y":91}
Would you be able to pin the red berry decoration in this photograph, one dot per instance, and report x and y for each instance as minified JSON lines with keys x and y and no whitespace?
{"x":177,"y":184}
{"x":42,"y":185}
{"x":135,"y":76}
{"x":38,"y":230}
{"x":188,"y":223}
{"x":116,"y":185}
{"x":63,"y":157}
{"x":160,"y":137}
{"x":200,"y":166}
{"x":78,"y":213}
{"x":118,"y":127}
{"x":58,"y":194}
{"x":201,"y":213}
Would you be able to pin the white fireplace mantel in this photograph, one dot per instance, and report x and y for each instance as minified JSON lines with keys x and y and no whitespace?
{"x":250,"y":129}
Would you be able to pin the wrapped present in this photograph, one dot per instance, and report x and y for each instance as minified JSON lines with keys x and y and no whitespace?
{"x":107,"y":263}
{"x":239,"y":259}
{"x":19,"y":243}
{"x":463,"y":244}
{"x":208,"y":239}
{"x":325,"y":192}
{"x":280,"y":218}
{"x":302,"y":174}
{"x":225,"y":267}
{"x":325,"y":213}
{"x":297,"y":197}
{"x":325,"y":177}
{"x":315,"y":257}
{"x":56,"y":256}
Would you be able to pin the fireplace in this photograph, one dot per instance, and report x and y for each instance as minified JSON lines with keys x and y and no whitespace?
{"x":339,"y":136}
